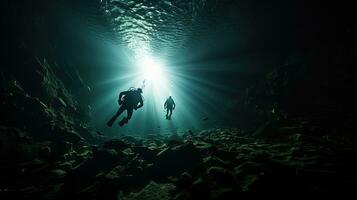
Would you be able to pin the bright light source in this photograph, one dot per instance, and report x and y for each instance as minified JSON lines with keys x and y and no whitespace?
{"x":152,"y":71}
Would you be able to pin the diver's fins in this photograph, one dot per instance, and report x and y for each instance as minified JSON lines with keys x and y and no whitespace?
{"x":122,"y":122}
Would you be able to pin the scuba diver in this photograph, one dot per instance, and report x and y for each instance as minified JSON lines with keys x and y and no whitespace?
{"x":169,"y":106}
{"x":128,"y":100}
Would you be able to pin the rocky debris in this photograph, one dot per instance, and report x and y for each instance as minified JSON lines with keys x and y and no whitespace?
{"x":184,"y":180}
{"x":61,"y":149}
{"x":34,"y":99}
{"x":200,"y":189}
{"x":117,"y":145}
{"x":174,"y":139}
{"x":221,"y":176}
{"x":51,"y":138}
{"x":58,"y":173}
{"x":131,"y":140}
{"x":146,"y":153}
{"x":150,"y":191}
{"x":102,"y":159}
{"x":214,"y":164}
{"x":175,"y":160}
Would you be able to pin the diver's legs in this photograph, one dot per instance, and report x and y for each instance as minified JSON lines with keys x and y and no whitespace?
{"x":129,"y":113}
{"x":125,"y":120}
{"x":167,"y":113}
{"x":120,"y":111}
{"x":170,"y":113}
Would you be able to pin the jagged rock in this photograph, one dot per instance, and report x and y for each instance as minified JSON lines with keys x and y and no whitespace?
{"x":249,"y":168}
{"x":183,"y":195}
{"x":188,"y":136}
{"x":224,"y":194}
{"x":203,"y":145}
{"x":45,"y":152}
{"x":59,"y":149}
{"x":258,"y":167}
{"x":173,"y":161}
{"x":116,"y":173}
{"x":117,"y":145}
{"x":215,"y":161}
{"x":128,"y":152}
{"x":248,"y":182}
{"x":87,"y":134}
{"x":200,"y":189}
{"x":66,"y":166}
{"x":103,"y":159}
{"x":34,"y":113}
{"x":174,"y":139}
{"x":146,"y":153}
{"x":260,"y":156}
{"x":107,"y":157}
{"x":132,"y":140}
{"x":14,"y":144}
{"x":58,"y":173}
{"x":32,"y":165}
{"x":83,"y":150}
{"x":134,"y":171}
{"x":37,"y":101}
{"x":152,"y":191}
{"x":221,"y":176}
{"x":61,"y":134}
{"x":225,"y":155}
{"x":172,"y":143}
{"x":184,"y":180}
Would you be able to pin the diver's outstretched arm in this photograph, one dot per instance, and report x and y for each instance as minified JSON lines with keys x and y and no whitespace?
{"x":173,"y":104}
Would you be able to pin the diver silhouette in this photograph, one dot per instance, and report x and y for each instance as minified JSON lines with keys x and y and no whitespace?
{"x":169,"y":106}
{"x":128,"y":100}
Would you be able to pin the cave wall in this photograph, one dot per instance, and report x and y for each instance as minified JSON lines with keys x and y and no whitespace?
{"x":40,"y":93}
{"x":316,"y":83}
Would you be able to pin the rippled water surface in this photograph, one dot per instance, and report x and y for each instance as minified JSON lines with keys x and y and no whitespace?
{"x":153,"y":25}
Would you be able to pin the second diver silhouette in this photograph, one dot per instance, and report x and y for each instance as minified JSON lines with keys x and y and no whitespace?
{"x":169,"y":106}
{"x":128,"y":100}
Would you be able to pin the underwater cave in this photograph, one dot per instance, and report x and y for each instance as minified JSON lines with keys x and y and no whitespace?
{"x":177,"y":99}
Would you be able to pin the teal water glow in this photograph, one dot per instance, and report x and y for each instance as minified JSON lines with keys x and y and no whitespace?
{"x":202,"y":53}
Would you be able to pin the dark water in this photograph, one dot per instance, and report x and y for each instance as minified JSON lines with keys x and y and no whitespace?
{"x":264,"y":90}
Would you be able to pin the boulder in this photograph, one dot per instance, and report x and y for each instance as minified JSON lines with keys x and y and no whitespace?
{"x":174,"y":139}
{"x":173,"y":161}
{"x":215,"y":161}
{"x":63,"y":134}
{"x":60,"y":148}
{"x":107,"y":157}
{"x":116,"y":144}
{"x":184,"y":180}
{"x":151,"y":191}
{"x":221,"y":176}
{"x":66,"y":166}
{"x":58,"y":173}
{"x":200,"y":189}
{"x":224,"y":194}
{"x":146,"y":153}
{"x":103,"y":159}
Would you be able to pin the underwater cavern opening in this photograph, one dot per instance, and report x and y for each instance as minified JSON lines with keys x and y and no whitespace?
{"x":186,"y":99}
